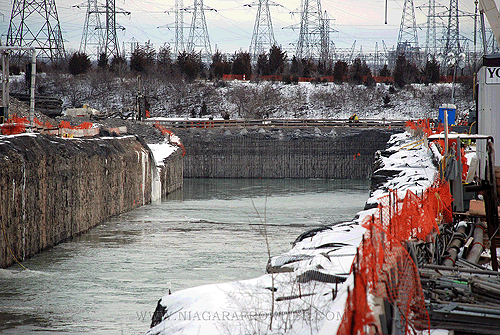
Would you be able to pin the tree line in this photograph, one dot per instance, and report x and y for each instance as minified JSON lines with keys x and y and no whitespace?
{"x":145,"y":59}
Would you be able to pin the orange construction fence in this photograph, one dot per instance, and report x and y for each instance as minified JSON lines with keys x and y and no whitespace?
{"x":14,"y":125}
{"x":165,"y":131}
{"x":384,"y":268}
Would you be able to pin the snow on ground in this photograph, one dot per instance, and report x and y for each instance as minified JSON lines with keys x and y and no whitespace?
{"x":417,"y":172}
{"x":245,"y":99}
{"x":162,"y":151}
{"x":329,"y":100}
{"x":298,"y":295}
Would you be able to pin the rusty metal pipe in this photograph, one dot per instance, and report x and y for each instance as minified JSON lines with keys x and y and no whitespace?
{"x":454,"y":247}
{"x":477,"y":246}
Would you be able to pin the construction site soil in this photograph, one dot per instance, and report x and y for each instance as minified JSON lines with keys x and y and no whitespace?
{"x":149,"y":133}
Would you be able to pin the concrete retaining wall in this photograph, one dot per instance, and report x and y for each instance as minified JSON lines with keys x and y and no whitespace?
{"x":345,"y":153}
{"x":54,"y":188}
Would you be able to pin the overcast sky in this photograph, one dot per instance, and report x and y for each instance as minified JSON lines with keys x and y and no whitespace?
{"x":231,"y":26}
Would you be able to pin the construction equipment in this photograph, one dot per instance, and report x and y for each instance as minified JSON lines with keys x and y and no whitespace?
{"x":489,"y":8}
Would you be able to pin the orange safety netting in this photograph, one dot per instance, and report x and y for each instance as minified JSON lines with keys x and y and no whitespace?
{"x":14,"y":125}
{"x":440,"y":128}
{"x":384,"y":268}
{"x":65,"y":124}
{"x":165,"y":131}
{"x":414,"y":216}
{"x":42,"y":125}
{"x":85,"y":125}
{"x":422,"y":124}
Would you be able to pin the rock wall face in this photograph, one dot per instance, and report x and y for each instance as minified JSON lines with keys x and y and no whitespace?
{"x":171,"y":174}
{"x":345,"y":153}
{"x":54,"y":188}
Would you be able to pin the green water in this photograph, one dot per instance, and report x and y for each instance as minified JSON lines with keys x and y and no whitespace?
{"x":109,"y":280}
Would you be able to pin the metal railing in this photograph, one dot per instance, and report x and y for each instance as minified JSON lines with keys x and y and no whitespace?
{"x":278,"y":123}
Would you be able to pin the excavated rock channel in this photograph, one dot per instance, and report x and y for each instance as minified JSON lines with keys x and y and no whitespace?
{"x":54,"y":188}
{"x":258,"y":152}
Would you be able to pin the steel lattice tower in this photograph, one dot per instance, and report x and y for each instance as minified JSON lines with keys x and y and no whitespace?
{"x":198,"y":34}
{"x":430,"y":36}
{"x":36,"y":24}
{"x":451,"y":35}
{"x":313,"y":37}
{"x":408,"y":38}
{"x":325,"y":37}
{"x":92,"y":37}
{"x":179,"y":27}
{"x":263,"y":35}
{"x":111,"y":41}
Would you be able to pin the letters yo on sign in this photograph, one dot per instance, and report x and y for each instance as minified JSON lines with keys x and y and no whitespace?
{"x":492,"y":75}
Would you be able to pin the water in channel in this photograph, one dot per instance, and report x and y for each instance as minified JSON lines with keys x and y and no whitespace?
{"x":108,"y":280}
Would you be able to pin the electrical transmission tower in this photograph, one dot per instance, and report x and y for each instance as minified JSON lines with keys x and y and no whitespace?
{"x":179,"y":27}
{"x":110,"y":40}
{"x":198,"y":39}
{"x":451,"y":35}
{"x":314,"y":32}
{"x":92,"y":37}
{"x":408,"y":38}
{"x":263,"y":35}
{"x":111,"y":46}
{"x":430,"y":36}
{"x":36,"y":24}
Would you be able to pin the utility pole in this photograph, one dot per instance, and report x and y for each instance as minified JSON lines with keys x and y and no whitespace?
{"x":46,"y":38}
{"x":198,"y":34}
{"x":92,"y":41}
{"x":408,"y":38}
{"x":263,"y":35}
